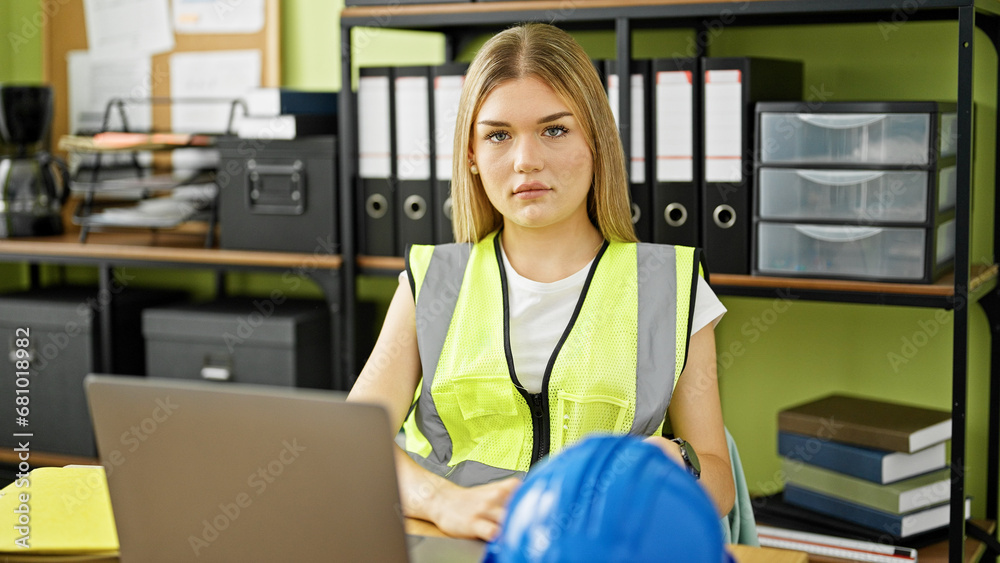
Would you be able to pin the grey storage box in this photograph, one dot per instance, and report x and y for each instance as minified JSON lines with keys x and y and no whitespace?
{"x":245,"y":340}
{"x":63,"y":343}
{"x":279,"y":195}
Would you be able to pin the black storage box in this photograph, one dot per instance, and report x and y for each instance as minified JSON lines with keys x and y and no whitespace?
{"x":63,"y":343}
{"x":279,"y":195}
{"x":246,"y":340}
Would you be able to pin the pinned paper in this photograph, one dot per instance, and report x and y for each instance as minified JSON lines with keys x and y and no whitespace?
{"x":93,"y":81}
{"x":222,"y":75}
{"x":136,"y":27}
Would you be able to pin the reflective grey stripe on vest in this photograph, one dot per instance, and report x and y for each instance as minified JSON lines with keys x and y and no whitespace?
{"x":468,"y":473}
{"x":435,"y":306}
{"x":657,"y":337}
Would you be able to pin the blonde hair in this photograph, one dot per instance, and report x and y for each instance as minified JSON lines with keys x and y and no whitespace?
{"x":551,"y":55}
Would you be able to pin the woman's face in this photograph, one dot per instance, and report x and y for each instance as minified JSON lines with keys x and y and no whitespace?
{"x":532,"y":155}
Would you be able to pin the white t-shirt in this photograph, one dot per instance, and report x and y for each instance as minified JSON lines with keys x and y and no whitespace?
{"x":539,"y":313}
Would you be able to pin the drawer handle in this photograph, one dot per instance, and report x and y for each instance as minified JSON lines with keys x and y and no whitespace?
{"x":724,"y":216}
{"x":838,"y":234}
{"x":675,"y":214}
{"x":840,"y":120}
{"x":14,"y":358}
{"x":415,"y":207}
{"x":839,"y":177}
{"x":376,"y":206}
{"x":216,"y":373}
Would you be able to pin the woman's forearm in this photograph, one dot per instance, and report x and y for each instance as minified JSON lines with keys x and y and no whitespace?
{"x":717,"y":480}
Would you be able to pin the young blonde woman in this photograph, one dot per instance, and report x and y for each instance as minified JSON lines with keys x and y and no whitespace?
{"x":547,"y":321}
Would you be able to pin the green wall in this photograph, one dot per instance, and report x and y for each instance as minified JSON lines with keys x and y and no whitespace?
{"x":20,"y":44}
{"x":772,"y":353}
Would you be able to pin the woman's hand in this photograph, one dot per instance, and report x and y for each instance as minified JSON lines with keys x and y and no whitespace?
{"x":669,"y":447}
{"x":473,"y":512}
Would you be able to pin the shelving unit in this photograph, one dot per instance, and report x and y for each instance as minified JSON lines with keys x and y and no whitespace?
{"x":970,"y":283}
{"x":107,"y":251}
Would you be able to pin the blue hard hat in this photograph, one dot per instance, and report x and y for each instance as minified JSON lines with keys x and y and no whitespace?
{"x":609,"y":499}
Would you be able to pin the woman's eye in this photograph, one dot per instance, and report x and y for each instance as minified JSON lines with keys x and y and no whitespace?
{"x":555,"y":131}
{"x":498,"y":136}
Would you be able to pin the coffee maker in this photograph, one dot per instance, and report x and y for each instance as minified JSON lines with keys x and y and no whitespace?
{"x":34,"y":184}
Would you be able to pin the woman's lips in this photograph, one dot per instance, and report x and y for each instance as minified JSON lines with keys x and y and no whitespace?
{"x":530,"y":190}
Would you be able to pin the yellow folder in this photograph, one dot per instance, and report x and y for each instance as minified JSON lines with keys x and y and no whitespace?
{"x":58,"y":511}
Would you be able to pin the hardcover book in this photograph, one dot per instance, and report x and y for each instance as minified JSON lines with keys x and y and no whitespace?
{"x":900,"y":497}
{"x":772,"y":510}
{"x":877,"y":466}
{"x":868,"y":422}
{"x":896,"y":525}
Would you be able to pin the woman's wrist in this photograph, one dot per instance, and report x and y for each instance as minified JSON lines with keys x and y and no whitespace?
{"x":434,"y":497}
{"x":669,"y":447}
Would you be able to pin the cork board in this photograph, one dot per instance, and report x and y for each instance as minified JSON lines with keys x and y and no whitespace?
{"x":65,"y":31}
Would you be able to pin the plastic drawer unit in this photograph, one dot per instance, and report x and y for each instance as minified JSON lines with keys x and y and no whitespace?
{"x":855,"y":196}
{"x":855,"y":190}
{"x":904,"y":254}
{"x":246,"y":340}
{"x":851,"y":133}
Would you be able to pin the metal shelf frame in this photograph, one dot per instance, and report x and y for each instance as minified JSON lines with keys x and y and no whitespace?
{"x":461,"y":22}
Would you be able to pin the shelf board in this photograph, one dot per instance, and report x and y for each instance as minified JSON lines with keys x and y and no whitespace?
{"x":939,"y":294}
{"x":983,"y":279}
{"x":381,"y":264}
{"x":451,"y":14}
{"x":153,"y":248}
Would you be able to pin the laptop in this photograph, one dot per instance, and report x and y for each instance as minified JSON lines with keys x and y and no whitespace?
{"x":202,"y":471}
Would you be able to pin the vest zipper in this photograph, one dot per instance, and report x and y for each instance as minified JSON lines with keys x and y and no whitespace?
{"x":538,"y":402}
{"x":540,"y":420}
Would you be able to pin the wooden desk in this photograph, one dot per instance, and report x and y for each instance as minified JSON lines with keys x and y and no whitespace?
{"x":742,"y":553}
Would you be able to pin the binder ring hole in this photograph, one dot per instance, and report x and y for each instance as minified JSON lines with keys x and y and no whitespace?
{"x":447,"y":208}
{"x":376,"y":206}
{"x":415,"y":207}
{"x":724,"y":216}
{"x":636,"y":213}
{"x":675,"y":214}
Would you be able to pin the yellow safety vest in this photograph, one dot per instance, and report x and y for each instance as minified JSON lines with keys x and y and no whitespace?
{"x":613,"y":370}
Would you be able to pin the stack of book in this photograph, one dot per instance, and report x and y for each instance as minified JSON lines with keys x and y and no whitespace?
{"x":281,"y":113}
{"x":866,"y":464}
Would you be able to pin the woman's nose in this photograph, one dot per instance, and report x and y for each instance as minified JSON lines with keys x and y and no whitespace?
{"x":527,"y":156}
